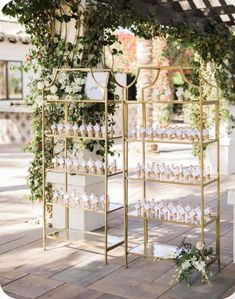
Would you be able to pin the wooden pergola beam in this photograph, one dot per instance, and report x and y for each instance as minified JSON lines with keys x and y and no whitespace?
{"x":165,"y":15}
{"x":172,"y":10}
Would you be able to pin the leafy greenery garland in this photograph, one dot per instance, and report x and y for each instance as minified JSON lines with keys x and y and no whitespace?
{"x":44,"y":21}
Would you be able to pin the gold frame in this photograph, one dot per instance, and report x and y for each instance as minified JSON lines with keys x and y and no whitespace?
{"x":125,"y":102}
{"x":201,"y":143}
{"x":110,"y":242}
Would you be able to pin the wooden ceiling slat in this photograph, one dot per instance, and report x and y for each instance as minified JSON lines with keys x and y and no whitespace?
{"x":171,"y":11}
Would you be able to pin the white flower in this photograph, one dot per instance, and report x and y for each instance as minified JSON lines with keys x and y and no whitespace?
{"x":68,"y":89}
{"x":180,"y":91}
{"x":185,"y":265}
{"x":80,"y":81}
{"x":200,"y":245}
{"x":199,"y":265}
{"x":55,"y":98}
{"x":47,"y":83}
{"x":76,"y":88}
{"x":187,"y":94}
{"x":62,"y":78}
{"x":77,"y":81}
{"x":38,"y":100}
{"x":53,"y":89}
{"x":40,"y":85}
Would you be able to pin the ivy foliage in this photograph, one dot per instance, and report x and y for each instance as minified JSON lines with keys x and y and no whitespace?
{"x":47,"y":23}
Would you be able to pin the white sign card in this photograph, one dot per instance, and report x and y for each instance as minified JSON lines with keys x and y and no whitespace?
{"x":93,"y":90}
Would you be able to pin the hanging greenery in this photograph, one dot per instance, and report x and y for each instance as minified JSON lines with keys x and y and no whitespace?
{"x":47,"y":22}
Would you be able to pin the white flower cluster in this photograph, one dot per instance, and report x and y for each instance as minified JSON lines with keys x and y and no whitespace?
{"x":189,"y":260}
{"x":75,"y":199}
{"x":170,"y":211}
{"x":172,"y":172}
{"x":198,"y":264}
{"x":53,"y":89}
{"x":52,"y":97}
{"x":84,"y":130}
{"x":169,"y":132}
{"x":72,"y":163}
{"x":70,"y":86}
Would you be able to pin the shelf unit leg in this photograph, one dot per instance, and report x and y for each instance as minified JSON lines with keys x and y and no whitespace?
{"x":44,"y":235}
{"x":217,"y":121}
{"x":218,"y":243}
{"x":106,"y":175}
{"x":145,"y":232}
{"x":125,"y":124}
{"x":43,"y":175}
{"x":44,"y":223}
{"x":66,"y":175}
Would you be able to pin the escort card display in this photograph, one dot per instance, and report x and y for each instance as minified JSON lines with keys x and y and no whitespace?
{"x":73,"y":163}
{"x":84,"y":130}
{"x":169,"y":132}
{"x":84,"y":200}
{"x":172,"y":172}
{"x":170,"y":211}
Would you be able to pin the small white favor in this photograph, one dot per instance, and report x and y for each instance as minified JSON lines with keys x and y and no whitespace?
{"x":97,"y":130}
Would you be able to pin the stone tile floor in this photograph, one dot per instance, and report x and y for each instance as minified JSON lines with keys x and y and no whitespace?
{"x":68,"y":270}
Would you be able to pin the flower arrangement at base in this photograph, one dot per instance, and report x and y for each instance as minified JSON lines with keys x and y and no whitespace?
{"x":191,"y":258}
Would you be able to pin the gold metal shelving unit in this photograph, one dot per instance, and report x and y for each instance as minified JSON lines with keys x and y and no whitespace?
{"x":110,"y":242}
{"x":156,"y":250}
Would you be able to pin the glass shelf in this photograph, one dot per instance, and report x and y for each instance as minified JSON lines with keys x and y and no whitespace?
{"x":161,"y":251}
{"x":113,"y":207}
{"x":134,"y":214}
{"x":155,"y":250}
{"x":80,"y":173}
{"x":85,"y":101}
{"x":172,"y":141}
{"x":75,"y":235}
{"x":198,"y":184}
{"x":185,"y":102}
{"x":80,"y":137}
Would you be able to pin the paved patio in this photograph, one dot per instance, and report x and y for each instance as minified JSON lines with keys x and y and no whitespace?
{"x":70,"y":270}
